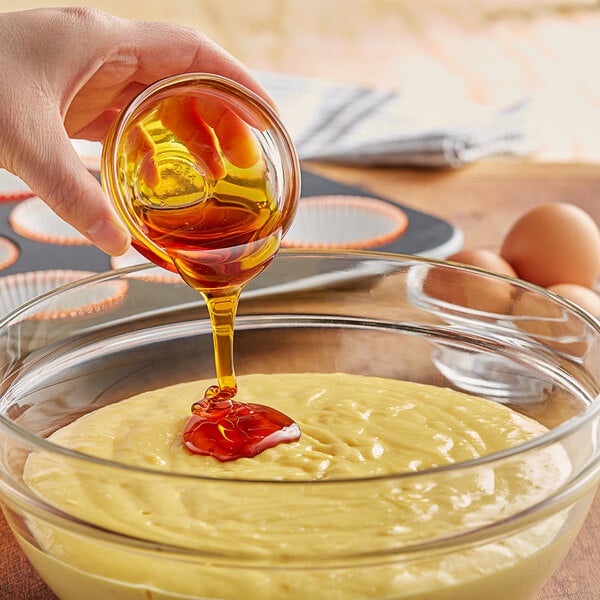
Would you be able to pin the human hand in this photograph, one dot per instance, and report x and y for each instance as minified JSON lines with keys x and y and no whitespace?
{"x":209,"y":127}
{"x":67,"y":73}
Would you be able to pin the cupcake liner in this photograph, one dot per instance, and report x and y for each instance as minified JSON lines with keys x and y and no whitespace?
{"x":132,"y":258}
{"x":35,"y":220}
{"x":12,"y":187}
{"x":9,"y":252}
{"x":345,"y":222}
{"x":19,"y":288}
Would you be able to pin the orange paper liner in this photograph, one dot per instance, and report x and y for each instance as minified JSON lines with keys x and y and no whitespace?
{"x":12,"y":188}
{"x":19,"y":288}
{"x":354,"y":207}
{"x":9,"y":252}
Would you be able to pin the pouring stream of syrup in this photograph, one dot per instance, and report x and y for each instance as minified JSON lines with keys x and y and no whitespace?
{"x":202,"y":205}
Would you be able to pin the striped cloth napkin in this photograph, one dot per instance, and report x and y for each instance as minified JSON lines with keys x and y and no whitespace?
{"x":350,"y":124}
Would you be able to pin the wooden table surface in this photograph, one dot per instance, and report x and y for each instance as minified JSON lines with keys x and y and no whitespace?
{"x":492,"y":51}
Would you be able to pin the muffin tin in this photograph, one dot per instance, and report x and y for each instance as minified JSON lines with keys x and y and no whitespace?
{"x":33,"y":239}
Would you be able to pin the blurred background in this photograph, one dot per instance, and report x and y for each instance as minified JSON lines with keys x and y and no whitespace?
{"x":442,"y":56}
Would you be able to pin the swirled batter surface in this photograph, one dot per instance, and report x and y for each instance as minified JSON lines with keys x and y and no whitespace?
{"x":352,"y":427}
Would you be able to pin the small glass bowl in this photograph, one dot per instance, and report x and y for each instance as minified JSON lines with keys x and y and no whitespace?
{"x":311,"y":311}
{"x":178,"y":144}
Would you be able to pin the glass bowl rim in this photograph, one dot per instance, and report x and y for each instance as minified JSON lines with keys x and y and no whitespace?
{"x":550,"y":437}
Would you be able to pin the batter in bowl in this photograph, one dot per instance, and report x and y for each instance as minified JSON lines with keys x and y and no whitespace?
{"x":352,"y":427}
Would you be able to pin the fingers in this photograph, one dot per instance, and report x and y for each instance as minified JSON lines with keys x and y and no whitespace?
{"x":164,"y":49}
{"x":118,"y":58}
{"x":184,"y":50}
{"x":237,"y":141}
{"x":208,"y":127}
{"x":180,"y":116}
{"x":228,"y":117}
{"x":56,"y":174}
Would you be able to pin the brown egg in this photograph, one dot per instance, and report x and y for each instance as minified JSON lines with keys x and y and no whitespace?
{"x":484,"y":259}
{"x":582,"y":296}
{"x":554,"y":243}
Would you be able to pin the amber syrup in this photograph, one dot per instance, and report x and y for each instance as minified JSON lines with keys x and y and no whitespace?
{"x":204,"y":205}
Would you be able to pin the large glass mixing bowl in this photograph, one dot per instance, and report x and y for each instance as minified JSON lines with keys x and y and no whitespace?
{"x":396,"y":317}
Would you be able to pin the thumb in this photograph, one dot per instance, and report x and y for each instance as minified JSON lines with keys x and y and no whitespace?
{"x":54,"y":172}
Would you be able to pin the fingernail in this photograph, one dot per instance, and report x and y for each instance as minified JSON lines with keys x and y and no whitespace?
{"x":109,"y":236}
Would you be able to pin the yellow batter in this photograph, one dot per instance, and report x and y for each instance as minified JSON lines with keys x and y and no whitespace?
{"x":352,"y":427}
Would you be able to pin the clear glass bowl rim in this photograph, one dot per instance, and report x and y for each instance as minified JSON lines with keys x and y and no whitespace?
{"x":551,"y":437}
